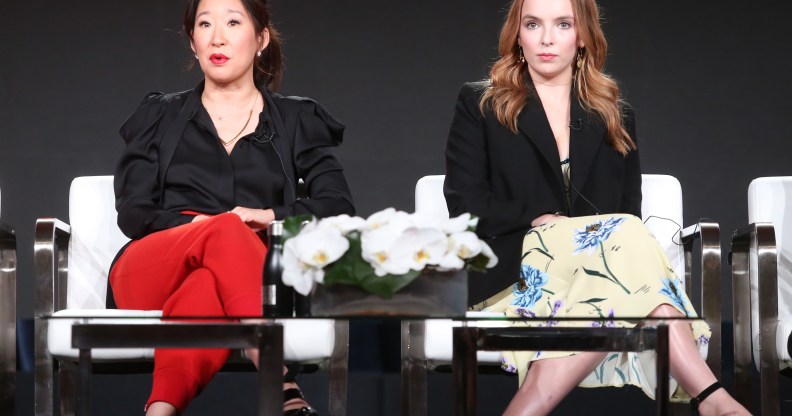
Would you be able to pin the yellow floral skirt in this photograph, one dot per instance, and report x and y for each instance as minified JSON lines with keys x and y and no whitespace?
{"x":600,"y":267}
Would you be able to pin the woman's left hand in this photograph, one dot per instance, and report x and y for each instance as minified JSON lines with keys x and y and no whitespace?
{"x":256,"y":219}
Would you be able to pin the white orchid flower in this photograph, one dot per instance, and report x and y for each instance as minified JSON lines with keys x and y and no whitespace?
{"x":297,"y":274}
{"x":343,"y":222}
{"x":421,"y":246}
{"x":320,"y":247}
{"x":376,"y":245}
{"x":306,"y":255}
{"x":461,"y":246}
{"x":451,"y":262}
{"x":465,"y":244}
{"x":398,"y":221}
{"x":380,"y":218}
{"x":456,"y":225}
{"x":487,"y":251}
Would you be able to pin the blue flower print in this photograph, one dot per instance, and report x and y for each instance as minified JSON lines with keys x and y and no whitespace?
{"x":528,"y":290}
{"x":674,"y":290}
{"x":556,"y":306}
{"x":525,"y":313}
{"x":605,"y":323}
{"x":703,"y":340}
{"x":587,"y":239}
{"x":508,"y":367}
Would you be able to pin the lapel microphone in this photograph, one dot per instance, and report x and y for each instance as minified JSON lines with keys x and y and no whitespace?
{"x":267,"y":138}
{"x":576,"y":124}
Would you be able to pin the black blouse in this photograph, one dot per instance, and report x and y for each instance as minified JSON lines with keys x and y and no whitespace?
{"x":154,"y":188}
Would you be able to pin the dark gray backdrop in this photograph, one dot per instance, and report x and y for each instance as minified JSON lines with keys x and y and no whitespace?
{"x":709,"y":81}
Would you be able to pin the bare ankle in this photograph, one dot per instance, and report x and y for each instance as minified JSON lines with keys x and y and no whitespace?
{"x":161,"y":409}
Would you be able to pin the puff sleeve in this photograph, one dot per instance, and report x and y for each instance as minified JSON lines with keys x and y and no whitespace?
{"x":136,"y":181}
{"x":315,"y":134}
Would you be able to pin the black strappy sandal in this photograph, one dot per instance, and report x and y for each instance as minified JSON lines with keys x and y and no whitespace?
{"x":295,"y":393}
{"x":696,"y":401}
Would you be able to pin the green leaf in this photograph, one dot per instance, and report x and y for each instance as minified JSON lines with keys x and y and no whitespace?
{"x":595,"y":273}
{"x":389,"y":284}
{"x":473,"y":223}
{"x":593,"y":300}
{"x":293,"y":225}
{"x":621,"y":375}
{"x":351,"y":269}
{"x":478,"y":263}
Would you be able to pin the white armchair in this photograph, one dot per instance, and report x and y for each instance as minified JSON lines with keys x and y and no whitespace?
{"x":7,"y":318}
{"x":761,"y":261}
{"x":71,"y":266}
{"x":427,"y":346}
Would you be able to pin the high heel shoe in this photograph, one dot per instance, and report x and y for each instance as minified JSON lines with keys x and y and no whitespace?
{"x":294,"y":393}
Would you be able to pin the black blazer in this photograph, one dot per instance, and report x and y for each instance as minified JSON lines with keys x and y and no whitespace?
{"x":509,"y":179}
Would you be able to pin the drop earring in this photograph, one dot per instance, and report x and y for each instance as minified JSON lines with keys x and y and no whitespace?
{"x":522,"y":55}
{"x":258,"y":54}
{"x":581,"y":60}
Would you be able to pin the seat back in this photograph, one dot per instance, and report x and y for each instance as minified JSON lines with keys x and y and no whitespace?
{"x":95,"y":240}
{"x":661,"y":209}
{"x":770,"y":200}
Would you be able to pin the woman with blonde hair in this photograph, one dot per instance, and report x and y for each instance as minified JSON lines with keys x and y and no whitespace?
{"x":545,"y":153}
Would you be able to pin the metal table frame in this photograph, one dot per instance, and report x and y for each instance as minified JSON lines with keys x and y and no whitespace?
{"x":268,"y":337}
{"x":468,"y":340}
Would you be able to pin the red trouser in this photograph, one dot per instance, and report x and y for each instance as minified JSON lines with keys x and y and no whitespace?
{"x":207,"y":268}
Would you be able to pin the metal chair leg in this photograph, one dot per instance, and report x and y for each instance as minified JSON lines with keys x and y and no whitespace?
{"x":413,"y":368}
{"x":339,"y":369}
{"x":67,"y":388}
{"x":7,"y":319}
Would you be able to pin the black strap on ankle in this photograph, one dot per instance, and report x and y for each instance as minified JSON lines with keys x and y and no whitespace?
{"x":291,"y":394}
{"x":292,"y":371}
{"x":696,"y":401}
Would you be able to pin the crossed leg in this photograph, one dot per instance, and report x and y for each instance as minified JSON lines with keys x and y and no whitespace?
{"x":549,"y":381}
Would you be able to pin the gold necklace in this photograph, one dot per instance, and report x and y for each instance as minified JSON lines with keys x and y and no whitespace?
{"x":250,"y":115}
{"x":547,"y":84}
{"x":228,"y":143}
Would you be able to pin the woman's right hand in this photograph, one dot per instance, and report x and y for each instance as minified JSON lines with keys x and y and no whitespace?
{"x":546,"y":219}
{"x":199,"y":217}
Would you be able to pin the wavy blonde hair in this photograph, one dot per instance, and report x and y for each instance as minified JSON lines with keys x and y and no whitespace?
{"x":510,"y":84}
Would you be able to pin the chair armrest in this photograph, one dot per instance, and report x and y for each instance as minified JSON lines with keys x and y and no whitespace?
{"x":710,"y":283}
{"x":51,"y":264}
{"x":8,"y":260}
{"x":757,"y":239}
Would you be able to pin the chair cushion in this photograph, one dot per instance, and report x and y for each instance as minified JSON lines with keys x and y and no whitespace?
{"x":439,"y":344}
{"x":769,"y":200}
{"x":59,"y":334}
{"x":305,"y":340}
